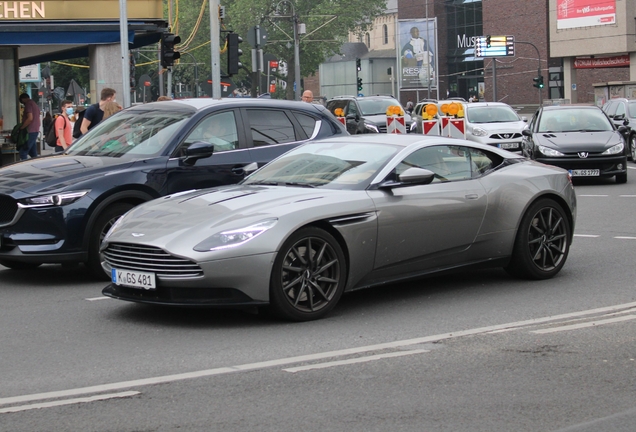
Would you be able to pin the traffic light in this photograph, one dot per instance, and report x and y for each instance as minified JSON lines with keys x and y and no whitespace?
{"x":359,"y":84}
{"x":358,"y":65}
{"x":233,"y":53}
{"x":488,"y":41}
{"x":538,"y":82}
{"x":168,"y":54}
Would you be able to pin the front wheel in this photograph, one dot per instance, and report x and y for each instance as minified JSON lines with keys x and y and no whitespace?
{"x":632,"y":147}
{"x":542,"y":243}
{"x":308,"y":276}
{"x":100,"y":229}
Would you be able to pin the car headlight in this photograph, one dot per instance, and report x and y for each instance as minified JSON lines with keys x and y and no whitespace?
{"x":60,"y":199}
{"x":373,"y":128}
{"x":618,"y":148}
{"x":235,"y":237}
{"x":477,"y":131}
{"x":549,"y":152}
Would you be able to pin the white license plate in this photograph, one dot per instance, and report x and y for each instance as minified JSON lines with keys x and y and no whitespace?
{"x":509,"y":146}
{"x":585,"y":173}
{"x":133,"y":279}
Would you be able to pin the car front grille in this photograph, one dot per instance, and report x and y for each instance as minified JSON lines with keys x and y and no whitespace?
{"x":8,"y":209}
{"x":150,"y":259}
{"x":506,"y":136}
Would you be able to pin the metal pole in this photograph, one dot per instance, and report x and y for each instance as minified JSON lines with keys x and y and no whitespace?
{"x":538,"y":70}
{"x":296,"y":55}
{"x":428,"y":65}
{"x":125,"y":61}
{"x":215,"y":51}
{"x":494,"y":80}
{"x":196,"y":74}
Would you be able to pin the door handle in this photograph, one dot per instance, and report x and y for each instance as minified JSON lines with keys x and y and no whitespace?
{"x":472,"y":196}
{"x":245,"y":169}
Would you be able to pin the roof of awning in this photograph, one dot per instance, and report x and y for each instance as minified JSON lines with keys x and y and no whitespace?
{"x":43,"y":41}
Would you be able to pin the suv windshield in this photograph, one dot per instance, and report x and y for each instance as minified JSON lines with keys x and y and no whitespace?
{"x":492,"y":114}
{"x":131,"y":132}
{"x":376,"y":106}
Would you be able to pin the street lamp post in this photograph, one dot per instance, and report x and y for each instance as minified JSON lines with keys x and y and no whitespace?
{"x":296,"y":48}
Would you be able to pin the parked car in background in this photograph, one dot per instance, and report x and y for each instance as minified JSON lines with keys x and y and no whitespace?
{"x":578,"y":138}
{"x":622,"y":112}
{"x":57,"y":209}
{"x":494,"y":123}
{"x":366,"y":114}
{"x":342,"y":214}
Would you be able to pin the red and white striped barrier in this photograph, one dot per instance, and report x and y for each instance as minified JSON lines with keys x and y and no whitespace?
{"x":430,"y":127}
{"x":395,"y":124}
{"x":453,"y":128}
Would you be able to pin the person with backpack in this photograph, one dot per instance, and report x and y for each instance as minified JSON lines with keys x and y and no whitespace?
{"x":63,"y":129}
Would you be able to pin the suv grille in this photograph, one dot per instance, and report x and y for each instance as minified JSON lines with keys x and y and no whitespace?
{"x":8,"y":209}
{"x":150,"y":259}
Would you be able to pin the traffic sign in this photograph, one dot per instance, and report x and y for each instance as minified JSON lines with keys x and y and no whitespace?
{"x":495,"y":46}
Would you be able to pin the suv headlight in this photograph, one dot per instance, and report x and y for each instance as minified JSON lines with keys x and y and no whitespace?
{"x":618,"y":148}
{"x":477,"y":131}
{"x":373,"y":128}
{"x":60,"y":199}
{"x":549,"y":152}
{"x":235,"y":237}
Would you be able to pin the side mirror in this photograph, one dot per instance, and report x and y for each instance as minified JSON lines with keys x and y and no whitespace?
{"x":526,"y":132}
{"x":351,"y":117}
{"x":411,"y":176}
{"x":525,"y":119}
{"x":625,"y":122}
{"x":619,"y":117}
{"x":197,"y":150}
{"x":623,"y":129}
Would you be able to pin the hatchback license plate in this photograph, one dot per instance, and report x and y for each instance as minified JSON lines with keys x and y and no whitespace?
{"x":585,"y":173}
{"x":134,"y":279}
{"x":507,"y":146}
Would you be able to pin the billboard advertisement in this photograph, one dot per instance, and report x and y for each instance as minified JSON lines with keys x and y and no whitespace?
{"x":585,"y":13}
{"x":417,"y":53}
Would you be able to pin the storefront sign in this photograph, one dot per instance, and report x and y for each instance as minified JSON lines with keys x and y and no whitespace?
{"x":601,"y":62}
{"x":585,"y":13}
{"x":78,"y":9}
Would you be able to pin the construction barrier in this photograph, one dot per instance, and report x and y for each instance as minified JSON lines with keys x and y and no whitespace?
{"x":395,"y":124}
{"x":453,"y":128}
{"x":430,"y":127}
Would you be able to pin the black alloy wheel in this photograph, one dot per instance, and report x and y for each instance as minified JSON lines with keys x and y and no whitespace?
{"x":308,"y":277}
{"x":104,"y":222}
{"x":542,"y":243}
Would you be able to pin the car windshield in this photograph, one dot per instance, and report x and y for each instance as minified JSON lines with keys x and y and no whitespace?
{"x":574,"y":120}
{"x":328,"y":165}
{"x":492,"y":114}
{"x":131,"y":133}
{"x":631,"y":107}
{"x":376,"y":106}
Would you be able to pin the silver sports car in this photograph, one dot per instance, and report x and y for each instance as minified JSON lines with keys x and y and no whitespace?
{"x":342,"y":214}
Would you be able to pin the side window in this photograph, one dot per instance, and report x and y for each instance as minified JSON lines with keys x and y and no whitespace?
{"x":611,"y":109}
{"x":449,"y":163}
{"x":333,"y":105}
{"x":352,"y":108}
{"x":620,"y":109}
{"x":308,"y":123}
{"x":218,"y":129}
{"x":430,"y":158}
{"x":482,"y":162}
{"x":270,"y":127}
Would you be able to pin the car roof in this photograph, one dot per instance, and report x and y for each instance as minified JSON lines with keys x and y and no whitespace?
{"x":485,"y":104}
{"x":196,"y":104}
{"x":363,"y":97}
{"x":568,"y":107}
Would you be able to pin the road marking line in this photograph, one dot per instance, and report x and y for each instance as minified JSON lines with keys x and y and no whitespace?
{"x":625,"y":238}
{"x":627,"y":196}
{"x":98,"y":298}
{"x":586,"y":235}
{"x":303,"y":358}
{"x":584,"y":325}
{"x":68,"y":402}
{"x":354,"y":360}
{"x":592,"y":195}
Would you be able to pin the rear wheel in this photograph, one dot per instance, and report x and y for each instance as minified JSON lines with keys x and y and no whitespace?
{"x":542,"y":243}
{"x":632,"y":147}
{"x":308,"y":276}
{"x":103,"y":223}
{"x":16,"y":265}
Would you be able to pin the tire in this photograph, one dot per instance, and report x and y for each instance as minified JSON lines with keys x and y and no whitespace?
{"x":632,"y":147}
{"x":16,"y":265}
{"x":621,"y":178}
{"x":542,"y":243}
{"x":306,"y":286}
{"x":103,"y":223}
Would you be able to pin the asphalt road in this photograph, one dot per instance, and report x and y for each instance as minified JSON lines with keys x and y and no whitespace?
{"x":474,"y":351}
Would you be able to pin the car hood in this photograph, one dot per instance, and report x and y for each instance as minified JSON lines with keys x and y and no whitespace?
{"x":578,"y":141}
{"x":54,"y":173}
{"x":190,"y":217}
{"x":504,"y":127}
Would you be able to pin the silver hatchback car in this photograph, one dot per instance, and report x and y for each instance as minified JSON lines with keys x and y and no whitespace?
{"x":494,"y":123}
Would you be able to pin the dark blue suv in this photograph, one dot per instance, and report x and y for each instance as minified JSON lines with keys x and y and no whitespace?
{"x":57,"y":209}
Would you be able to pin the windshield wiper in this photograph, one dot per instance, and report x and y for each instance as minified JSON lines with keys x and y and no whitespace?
{"x":307,"y":185}
{"x":280,"y":183}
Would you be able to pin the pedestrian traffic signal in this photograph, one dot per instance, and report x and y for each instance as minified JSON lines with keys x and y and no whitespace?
{"x":488,"y":44}
{"x":359,"y":84}
{"x":168,"y":54}
{"x":358,"y":64}
{"x":538,"y":82}
{"x":233,"y":53}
